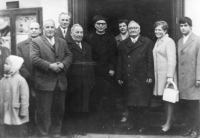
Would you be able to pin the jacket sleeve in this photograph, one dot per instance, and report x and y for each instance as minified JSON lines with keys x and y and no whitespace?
{"x":23,"y":70}
{"x":150,"y":60}
{"x":24,"y":98}
{"x":119,"y":63}
{"x":68,"y":57}
{"x":198,"y":60}
{"x":35,"y":57}
{"x":171,"y":58}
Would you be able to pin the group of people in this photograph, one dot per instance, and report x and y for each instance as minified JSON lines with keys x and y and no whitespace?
{"x":59,"y":69}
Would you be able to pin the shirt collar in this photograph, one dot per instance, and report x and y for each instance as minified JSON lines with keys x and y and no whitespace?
{"x":164,"y":37}
{"x":51,"y":41}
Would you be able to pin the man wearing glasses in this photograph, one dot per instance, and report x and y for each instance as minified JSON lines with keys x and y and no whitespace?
{"x":135,"y":73}
{"x":104,"y":54}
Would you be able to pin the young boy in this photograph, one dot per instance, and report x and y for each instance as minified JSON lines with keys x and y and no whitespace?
{"x":14,"y":99}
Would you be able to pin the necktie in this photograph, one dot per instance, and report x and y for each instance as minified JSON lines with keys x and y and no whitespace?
{"x":79,"y":43}
{"x":64,"y":32}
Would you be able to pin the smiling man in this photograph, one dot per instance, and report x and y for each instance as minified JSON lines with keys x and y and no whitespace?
{"x":51,"y":59}
{"x":81,"y":73}
{"x":23,"y":50}
{"x":63,"y":31}
{"x":135,"y":73}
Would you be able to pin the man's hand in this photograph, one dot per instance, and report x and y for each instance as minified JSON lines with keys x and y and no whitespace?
{"x":54,"y":67}
{"x":111,"y":72}
{"x":198,"y":83}
{"x":120,"y":82}
{"x":148,"y":81}
{"x":60,"y":65}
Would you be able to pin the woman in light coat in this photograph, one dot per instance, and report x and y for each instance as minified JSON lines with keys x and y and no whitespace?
{"x":14,"y":99}
{"x":164,"y":54}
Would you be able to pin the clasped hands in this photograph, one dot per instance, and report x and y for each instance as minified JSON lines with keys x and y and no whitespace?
{"x":57,"y":67}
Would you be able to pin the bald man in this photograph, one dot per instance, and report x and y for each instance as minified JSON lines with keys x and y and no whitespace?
{"x":51,"y":58}
{"x":23,"y":50}
{"x":135,"y":72}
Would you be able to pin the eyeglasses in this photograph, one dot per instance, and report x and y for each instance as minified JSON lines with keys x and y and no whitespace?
{"x":131,"y":28}
{"x":101,"y":24}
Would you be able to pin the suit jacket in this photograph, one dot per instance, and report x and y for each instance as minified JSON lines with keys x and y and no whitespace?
{"x":189,"y":67}
{"x":164,"y":54}
{"x":23,"y":50}
{"x":60,"y":34}
{"x":42,"y":54}
{"x":134,"y":67}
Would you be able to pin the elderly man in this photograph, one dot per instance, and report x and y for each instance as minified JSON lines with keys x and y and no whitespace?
{"x":104,"y":53}
{"x":23,"y":50}
{"x":135,"y":72}
{"x":189,"y":76}
{"x":51,"y":59}
{"x":123,"y":28}
{"x":63,"y":30}
{"x":81,"y":73}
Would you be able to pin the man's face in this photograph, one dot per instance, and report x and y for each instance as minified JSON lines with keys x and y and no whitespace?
{"x":34,"y":30}
{"x":123,"y":28}
{"x":77,"y":34}
{"x":100,"y":26}
{"x":185,"y":29}
{"x":134,"y":29}
{"x":64,"y":21}
{"x":49,"y":29}
{"x":7,"y":66}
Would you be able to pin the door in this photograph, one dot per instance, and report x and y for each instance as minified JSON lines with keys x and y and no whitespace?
{"x":17,"y":22}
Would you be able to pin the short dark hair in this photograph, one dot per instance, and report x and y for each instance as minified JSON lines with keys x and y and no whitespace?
{"x":163,"y":24}
{"x":123,"y":21}
{"x":184,"y":20}
{"x":99,"y":17}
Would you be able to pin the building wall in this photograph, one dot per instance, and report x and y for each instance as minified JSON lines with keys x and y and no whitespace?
{"x":192,"y":10}
{"x":51,"y":8}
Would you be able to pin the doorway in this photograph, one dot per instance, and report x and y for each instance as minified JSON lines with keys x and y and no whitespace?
{"x":145,"y":12}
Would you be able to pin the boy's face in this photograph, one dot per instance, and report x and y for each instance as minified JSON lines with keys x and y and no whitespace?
{"x":7,"y":66}
{"x":185,"y":29}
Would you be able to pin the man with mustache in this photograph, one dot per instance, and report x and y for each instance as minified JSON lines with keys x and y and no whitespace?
{"x":63,"y":31}
{"x":23,"y":50}
{"x":51,"y":58}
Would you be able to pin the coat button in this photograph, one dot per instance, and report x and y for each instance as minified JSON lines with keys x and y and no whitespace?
{"x":182,"y":64}
{"x":129,"y":56}
{"x":129,"y":65}
{"x":129,"y":74}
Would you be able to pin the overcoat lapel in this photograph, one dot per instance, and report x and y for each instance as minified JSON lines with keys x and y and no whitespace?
{"x":84,"y":49}
{"x":75,"y":45}
{"x":190,"y":39}
{"x":60,"y":33}
{"x":47,"y":43}
{"x":131,"y":46}
{"x":57,"y":44}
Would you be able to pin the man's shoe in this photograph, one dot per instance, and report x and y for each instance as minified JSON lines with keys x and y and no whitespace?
{"x":193,"y":134}
{"x":187,"y":132}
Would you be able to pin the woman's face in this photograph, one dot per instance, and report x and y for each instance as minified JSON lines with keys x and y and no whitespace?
{"x":7,"y":66}
{"x":159,"y":32}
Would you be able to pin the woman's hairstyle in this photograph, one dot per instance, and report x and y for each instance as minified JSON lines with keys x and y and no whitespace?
{"x":123,"y":21}
{"x":163,"y":24}
{"x":185,"y":20}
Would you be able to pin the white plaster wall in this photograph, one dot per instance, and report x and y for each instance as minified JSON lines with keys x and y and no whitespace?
{"x":51,"y":8}
{"x":192,"y":10}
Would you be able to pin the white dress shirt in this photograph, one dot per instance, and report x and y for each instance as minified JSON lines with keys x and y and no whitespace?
{"x":64,"y":31}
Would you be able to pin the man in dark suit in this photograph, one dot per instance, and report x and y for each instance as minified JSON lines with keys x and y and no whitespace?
{"x":81,"y":73}
{"x":23,"y":50}
{"x":135,"y":72}
{"x":63,"y":31}
{"x":51,"y":59}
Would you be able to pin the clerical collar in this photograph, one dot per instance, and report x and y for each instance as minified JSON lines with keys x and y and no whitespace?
{"x":100,"y":33}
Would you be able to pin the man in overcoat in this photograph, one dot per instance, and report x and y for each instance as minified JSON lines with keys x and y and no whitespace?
{"x":51,"y":59}
{"x":81,"y":73}
{"x":104,"y":53}
{"x":23,"y":50}
{"x":189,"y":76}
{"x":63,"y":31}
{"x":135,"y":72}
